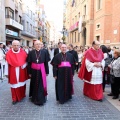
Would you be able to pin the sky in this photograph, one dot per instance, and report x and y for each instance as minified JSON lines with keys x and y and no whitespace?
{"x":54,"y":11}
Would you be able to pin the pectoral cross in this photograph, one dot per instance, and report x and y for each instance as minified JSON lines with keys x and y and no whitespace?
{"x":37,"y":60}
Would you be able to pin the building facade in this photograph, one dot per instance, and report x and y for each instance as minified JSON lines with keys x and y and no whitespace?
{"x":107,"y":22}
{"x":2,"y":21}
{"x":38,"y":22}
{"x":48,"y":32}
{"x":88,"y":20}
{"x":28,"y":22}
{"x":13,"y":16}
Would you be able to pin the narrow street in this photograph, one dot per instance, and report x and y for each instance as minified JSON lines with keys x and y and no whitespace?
{"x":79,"y":108}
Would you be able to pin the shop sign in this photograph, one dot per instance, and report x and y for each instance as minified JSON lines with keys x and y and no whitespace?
{"x":10,"y":32}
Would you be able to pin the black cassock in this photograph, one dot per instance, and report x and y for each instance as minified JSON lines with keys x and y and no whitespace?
{"x":64,"y":81}
{"x":37,"y":92}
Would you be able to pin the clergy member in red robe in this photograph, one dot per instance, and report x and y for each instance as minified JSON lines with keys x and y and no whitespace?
{"x":15,"y":70}
{"x":91,"y":72}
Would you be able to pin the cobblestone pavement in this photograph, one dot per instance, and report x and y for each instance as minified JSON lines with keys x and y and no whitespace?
{"x":79,"y":108}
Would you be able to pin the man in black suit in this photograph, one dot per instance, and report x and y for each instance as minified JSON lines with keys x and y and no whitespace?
{"x":57,"y":50}
{"x":74,"y":53}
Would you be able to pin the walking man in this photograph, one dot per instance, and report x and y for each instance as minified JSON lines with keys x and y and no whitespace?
{"x":15,"y":70}
{"x":38,"y":69}
{"x":63,"y":71}
{"x":91,"y":72}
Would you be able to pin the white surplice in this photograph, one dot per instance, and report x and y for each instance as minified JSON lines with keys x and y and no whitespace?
{"x":97,"y":74}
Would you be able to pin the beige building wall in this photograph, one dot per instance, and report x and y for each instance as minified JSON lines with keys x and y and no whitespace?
{"x":48,"y":31}
{"x":73,"y":14}
{"x":2,"y":21}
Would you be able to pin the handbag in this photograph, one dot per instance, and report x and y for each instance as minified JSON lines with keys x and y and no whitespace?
{"x":108,"y":60}
{"x":112,"y":77}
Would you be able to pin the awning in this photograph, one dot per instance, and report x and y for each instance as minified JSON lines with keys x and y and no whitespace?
{"x":14,"y":37}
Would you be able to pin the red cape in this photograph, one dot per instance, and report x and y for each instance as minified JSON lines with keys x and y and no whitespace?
{"x":16,"y":59}
{"x":93,"y":56}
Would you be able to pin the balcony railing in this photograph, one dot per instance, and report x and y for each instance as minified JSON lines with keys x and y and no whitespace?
{"x":16,"y":20}
{"x":9,"y":16}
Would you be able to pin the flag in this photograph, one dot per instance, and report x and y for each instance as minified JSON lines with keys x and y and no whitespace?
{"x":73,"y":2}
{"x":80,"y":24}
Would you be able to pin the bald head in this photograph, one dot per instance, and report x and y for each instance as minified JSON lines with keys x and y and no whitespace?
{"x":96,"y":44}
{"x":15,"y":45}
{"x":37,"y":45}
{"x":15,"y":42}
{"x":63,"y":48}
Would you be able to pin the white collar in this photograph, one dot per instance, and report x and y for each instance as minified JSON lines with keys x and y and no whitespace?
{"x":15,"y":52}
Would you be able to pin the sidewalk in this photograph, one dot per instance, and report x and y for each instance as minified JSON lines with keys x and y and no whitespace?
{"x":114,"y":102}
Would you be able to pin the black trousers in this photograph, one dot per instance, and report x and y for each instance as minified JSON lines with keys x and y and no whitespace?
{"x":78,"y":66}
{"x":116,"y":86}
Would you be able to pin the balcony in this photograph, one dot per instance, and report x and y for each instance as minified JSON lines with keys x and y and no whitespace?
{"x":13,"y":23}
{"x":30,"y":34}
{"x":9,"y":16}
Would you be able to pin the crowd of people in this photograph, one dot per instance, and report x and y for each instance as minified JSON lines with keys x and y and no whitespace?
{"x":97,"y":65}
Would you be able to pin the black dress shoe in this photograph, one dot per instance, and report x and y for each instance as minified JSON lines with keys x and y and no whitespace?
{"x":14,"y":102}
{"x":110,"y":94}
{"x":100,"y":100}
{"x":61,"y":102}
{"x":115,"y":97}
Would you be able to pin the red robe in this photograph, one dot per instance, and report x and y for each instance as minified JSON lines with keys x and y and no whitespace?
{"x":91,"y":90}
{"x":17,"y":60}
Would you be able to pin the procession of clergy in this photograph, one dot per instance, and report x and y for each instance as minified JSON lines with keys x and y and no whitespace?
{"x":21,"y":66}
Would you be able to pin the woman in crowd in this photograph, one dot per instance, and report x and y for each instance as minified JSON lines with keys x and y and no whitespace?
{"x":115,"y":70}
{"x":105,"y":75}
{"x":80,"y":55}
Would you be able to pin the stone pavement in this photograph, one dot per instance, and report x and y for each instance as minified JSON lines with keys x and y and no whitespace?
{"x":79,"y":108}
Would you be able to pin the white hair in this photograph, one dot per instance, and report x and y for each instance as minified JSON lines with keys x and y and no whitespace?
{"x":15,"y":41}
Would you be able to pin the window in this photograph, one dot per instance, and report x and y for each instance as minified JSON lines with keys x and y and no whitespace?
{"x":30,"y":14}
{"x":33,"y":30}
{"x":27,"y":27}
{"x":9,"y":13}
{"x":75,"y":3}
{"x":33,"y":17}
{"x":78,"y":37}
{"x":30,"y":28}
{"x":98,"y":26}
{"x":79,"y":14}
{"x":76,"y":18}
{"x":20,"y":19}
{"x":98,"y":38}
{"x":16,"y":15}
{"x":85,"y":10}
{"x":99,"y":4}
{"x":72,"y":37}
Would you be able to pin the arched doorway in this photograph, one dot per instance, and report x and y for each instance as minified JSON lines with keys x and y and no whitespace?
{"x":84,"y":35}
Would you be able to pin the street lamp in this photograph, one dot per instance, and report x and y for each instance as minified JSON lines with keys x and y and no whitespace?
{"x":64,"y":31}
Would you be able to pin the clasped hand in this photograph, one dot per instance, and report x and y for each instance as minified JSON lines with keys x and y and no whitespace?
{"x":97,"y":64}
